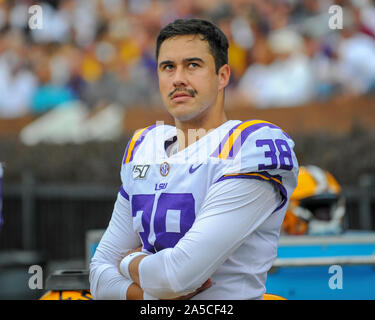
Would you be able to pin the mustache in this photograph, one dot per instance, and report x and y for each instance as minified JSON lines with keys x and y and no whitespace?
{"x":190,"y":92}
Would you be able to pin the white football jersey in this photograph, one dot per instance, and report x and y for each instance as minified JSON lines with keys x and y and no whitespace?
{"x":166,"y":190}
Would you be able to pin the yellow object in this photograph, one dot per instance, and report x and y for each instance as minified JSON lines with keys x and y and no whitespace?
{"x":67,"y":295}
{"x":316,"y":205}
{"x":130,"y":51}
{"x":237,"y":57}
{"x":309,"y":184}
{"x":91,"y":69}
{"x":270,"y":296}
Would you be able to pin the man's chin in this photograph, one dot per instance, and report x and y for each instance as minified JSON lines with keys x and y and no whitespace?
{"x":182,"y":112}
{"x":184,"y":116}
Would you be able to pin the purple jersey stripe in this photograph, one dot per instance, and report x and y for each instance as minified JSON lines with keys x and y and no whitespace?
{"x":124,"y":193}
{"x":222,"y":143}
{"x":262,"y":176}
{"x":126,"y":151}
{"x":137,"y":143}
{"x":244,"y":134}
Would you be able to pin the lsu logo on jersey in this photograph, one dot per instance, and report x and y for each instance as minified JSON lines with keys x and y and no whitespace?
{"x":164,"y":169}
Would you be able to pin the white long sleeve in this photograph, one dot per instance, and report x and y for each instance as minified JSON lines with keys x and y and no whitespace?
{"x":231,"y":212}
{"x":105,"y":280}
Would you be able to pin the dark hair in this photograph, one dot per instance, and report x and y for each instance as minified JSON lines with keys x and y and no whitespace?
{"x":216,"y":39}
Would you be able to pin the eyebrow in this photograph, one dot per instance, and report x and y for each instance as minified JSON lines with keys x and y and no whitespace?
{"x":167,"y":62}
{"x":193,"y":59}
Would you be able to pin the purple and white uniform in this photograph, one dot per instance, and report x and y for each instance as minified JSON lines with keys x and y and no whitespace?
{"x":212,"y":210}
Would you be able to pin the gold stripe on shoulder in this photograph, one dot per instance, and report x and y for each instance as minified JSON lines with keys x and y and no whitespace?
{"x":132,"y":143}
{"x":234,"y":136}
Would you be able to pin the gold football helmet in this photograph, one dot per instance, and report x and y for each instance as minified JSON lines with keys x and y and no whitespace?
{"x":316,"y":206}
{"x":67,"y":295}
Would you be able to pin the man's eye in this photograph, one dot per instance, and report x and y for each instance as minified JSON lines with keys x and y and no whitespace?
{"x":168,"y":67}
{"x":193,"y":65}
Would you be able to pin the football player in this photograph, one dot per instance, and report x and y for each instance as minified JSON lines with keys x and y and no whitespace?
{"x":202,"y":202}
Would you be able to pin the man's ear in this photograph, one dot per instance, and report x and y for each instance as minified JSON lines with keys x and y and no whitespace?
{"x":224,"y":76}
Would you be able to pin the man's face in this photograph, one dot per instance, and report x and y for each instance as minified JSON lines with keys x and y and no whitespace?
{"x":187,"y":79}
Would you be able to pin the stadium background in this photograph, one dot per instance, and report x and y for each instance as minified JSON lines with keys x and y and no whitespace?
{"x":74,"y":91}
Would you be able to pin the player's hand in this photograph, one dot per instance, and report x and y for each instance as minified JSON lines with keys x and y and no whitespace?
{"x":204,"y":286}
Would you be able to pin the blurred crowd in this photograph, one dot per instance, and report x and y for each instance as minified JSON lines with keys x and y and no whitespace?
{"x":282,"y":52}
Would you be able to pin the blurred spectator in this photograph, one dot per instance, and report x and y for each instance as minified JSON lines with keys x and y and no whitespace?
{"x":282,"y":53}
{"x":56,"y":23}
{"x":324,"y":67}
{"x":356,"y":56}
{"x":287,"y":81}
{"x":17,"y":82}
{"x":52,"y":89}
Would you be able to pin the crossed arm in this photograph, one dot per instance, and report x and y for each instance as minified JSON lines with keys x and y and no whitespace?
{"x":232,"y":208}
{"x":135,"y":292}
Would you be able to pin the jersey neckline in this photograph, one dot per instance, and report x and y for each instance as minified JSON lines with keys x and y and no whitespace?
{"x":196,"y":144}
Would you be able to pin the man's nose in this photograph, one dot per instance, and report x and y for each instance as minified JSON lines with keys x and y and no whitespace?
{"x":180,"y":79}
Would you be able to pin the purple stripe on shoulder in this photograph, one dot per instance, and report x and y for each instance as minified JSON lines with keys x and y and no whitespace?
{"x":126,"y":151}
{"x":222,"y":143}
{"x":140,"y":140}
{"x":241,"y":139}
{"x":283,"y":191}
{"x":244,"y":134}
{"x":238,"y":176}
{"x":124,"y":193}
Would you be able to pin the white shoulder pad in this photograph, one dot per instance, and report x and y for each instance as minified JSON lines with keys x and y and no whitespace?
{"x":257,"y":149}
